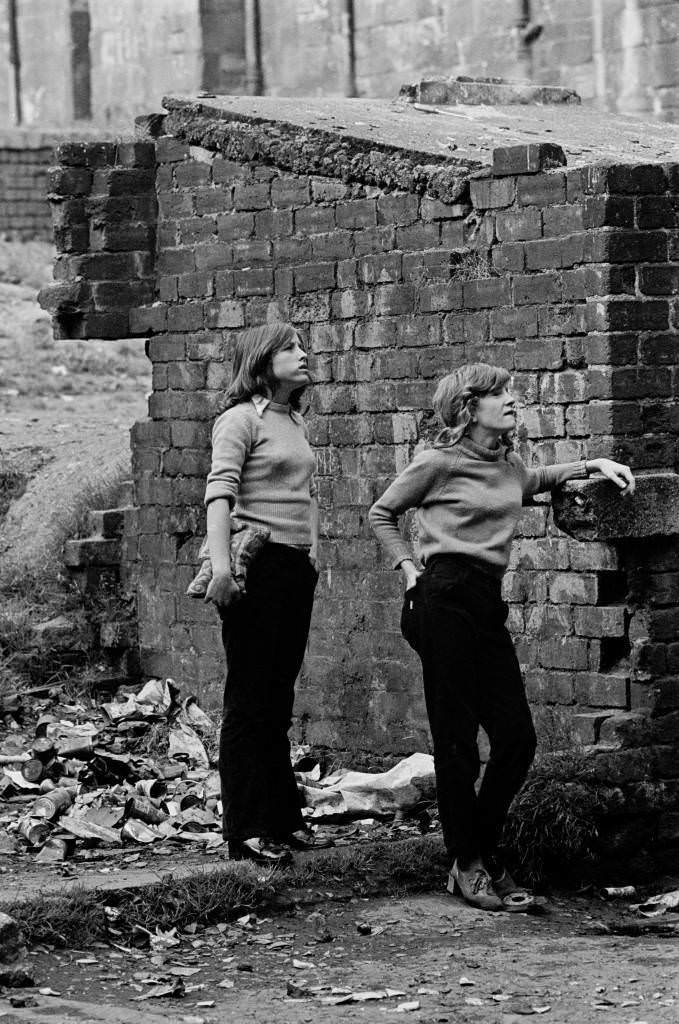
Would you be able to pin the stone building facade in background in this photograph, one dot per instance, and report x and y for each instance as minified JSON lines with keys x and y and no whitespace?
{"x":402,"y":244}
{"x":72,"y":61}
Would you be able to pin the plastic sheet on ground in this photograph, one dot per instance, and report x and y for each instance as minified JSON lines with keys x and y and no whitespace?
{"x":154,"y":700}
{"x":186,"y":743}
{"x":349,"y":794}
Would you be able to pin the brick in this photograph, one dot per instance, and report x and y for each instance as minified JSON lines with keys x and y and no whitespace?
{"x":473,"y":328}
{"x":356,"y":214}
{"x":311,"y":220}
{"x":543,"y":421}
{"x":573,"y":588}
{"x":380,"y":269}
{"x":659,"y":280}
{"x":628,"y":179}
{"x":314,"y":276}
{"x":566,"y":319}
{"x":197,"y":229}
{"x":542,"y":189}
{"x":534,"y":288}
{"x":627,"y":315}
{"x":121,"y":181}
{"x":486,"y":293}
{"x":417,"y":236}
{"x":334,"y":245}
{"x":509,"y":258}
{"x":492,"y":194}
{"x":541,"y":354}
{"x":637,"y":382}
{"x":397,"y":209}
{"x":518,"y":227}
{"x":394,"y":299}
{"x":548,"y":621}
{"x":620,"y":246}
{"x":439,"y":297}
{"x":510,"y":322}
{"x":562,"y":220}
{"x":608,"y":211}
{"x":614,"y":349}
{"x":614,"y":418}
{"x":195,"y":285}
{"x":121,"y":294}
{"x":187,"y":317}
{"x":85,"y":154}
{"x":351,"y":302}
{"x":562,"y":388}
{"x":375,"y":334}
{"x":600,"y":622}
{"x":595,"y":689}
{"x":292,"y":250}
{"x":310,"y":308}
{"x":235,"y":226}
{"x":655,"y":212}
{"x":527,"y":159}
{"x":173,"y":205}
{"x":148,"y":319}
{"x":566,"y":653}
{"x":659,"y":349}
{"x":290,"y":192}
{"x":434,"y":209}
{"x":171,"y":150}
{"x":252,"y":195}
{"x":585,"y":282}
{"x":69,"y":181}
{"x":549,"y":687}
{"x":192,"y":174}
{"x":254,"y":281}
{"x":251,"y":251}
{"x":212,"y":256}
{"x":537,"y":554}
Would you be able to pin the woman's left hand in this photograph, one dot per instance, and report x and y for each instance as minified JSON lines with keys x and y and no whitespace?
{"x":620,"y":474}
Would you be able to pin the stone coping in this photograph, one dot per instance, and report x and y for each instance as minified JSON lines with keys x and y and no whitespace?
{"x":459,"y":135}
{"x":594,"y":509}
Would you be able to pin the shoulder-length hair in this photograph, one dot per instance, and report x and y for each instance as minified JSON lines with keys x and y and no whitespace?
{"x":252,"y":354}
{"x":456,"y":396}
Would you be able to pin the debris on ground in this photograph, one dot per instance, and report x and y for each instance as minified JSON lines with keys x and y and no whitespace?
{"x":655,"y":906}
{"x":81,"y":779}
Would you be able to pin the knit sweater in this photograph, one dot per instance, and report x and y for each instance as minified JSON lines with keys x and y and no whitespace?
{"x":263,"y":465}
{"x":468,"y":500}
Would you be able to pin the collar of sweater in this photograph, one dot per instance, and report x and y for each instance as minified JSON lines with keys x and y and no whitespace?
{"x":261,"y":402}
{"x":479,"y":451}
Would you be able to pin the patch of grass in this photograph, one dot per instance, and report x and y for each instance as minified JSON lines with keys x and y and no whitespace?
{"x":79,"y":918}
{"x":471,"y":265}
{"x":26,"y":263}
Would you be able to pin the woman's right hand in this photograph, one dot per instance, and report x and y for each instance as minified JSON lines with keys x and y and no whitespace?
{"x":223,"y":590}
{"x":410,"y":572}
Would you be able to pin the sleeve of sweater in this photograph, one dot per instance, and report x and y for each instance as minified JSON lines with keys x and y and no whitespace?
{"x":536,"y":479}
{"x":232,"y":439}
{"x":409,"y":489}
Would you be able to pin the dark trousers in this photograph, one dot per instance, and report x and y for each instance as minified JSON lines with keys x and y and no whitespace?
{"x":265,"y":636}
{"x":454,"y":618}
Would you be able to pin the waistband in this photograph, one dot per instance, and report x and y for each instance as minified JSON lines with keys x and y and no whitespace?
{"x":472,"y":569}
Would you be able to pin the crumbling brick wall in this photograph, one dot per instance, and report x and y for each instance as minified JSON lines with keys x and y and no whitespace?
{"x":566,"y":276}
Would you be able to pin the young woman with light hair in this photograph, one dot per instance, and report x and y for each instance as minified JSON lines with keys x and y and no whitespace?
{"x":468,"y":489}
{"x":262,"y":472}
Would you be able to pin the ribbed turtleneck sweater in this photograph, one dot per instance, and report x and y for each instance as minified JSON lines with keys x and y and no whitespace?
{"x":468,"y":500}
{"x":263,"y":465}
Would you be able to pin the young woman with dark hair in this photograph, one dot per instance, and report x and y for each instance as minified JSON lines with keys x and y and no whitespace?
{"x":468,"y":490}
{"x":262,"y":472}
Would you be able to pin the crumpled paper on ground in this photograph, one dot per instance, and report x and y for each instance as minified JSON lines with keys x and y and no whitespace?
{"x":348,"y":793}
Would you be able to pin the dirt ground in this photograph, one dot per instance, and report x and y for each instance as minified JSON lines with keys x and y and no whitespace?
{"x":430,"y":957}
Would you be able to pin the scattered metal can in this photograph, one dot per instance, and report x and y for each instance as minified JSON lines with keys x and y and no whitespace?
{"x":33,"y":770}
{"x":51,"y":805}
{"x":43,"y":722}
{"x":55,"y":850}
{"x":34,"y":830}
{"x":47,"y":785}
{"x":151,"y":787}
{"x":75,"y":746}
{"x":43,"y":749}
{"x":142,"y":808}
{"x":137,"y":831}
{"x":618,"y":892}
{"x":190,"y":800}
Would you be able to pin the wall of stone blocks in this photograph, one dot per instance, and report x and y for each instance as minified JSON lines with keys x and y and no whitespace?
{"x":568,"y":277}
{"x":24,"y":162}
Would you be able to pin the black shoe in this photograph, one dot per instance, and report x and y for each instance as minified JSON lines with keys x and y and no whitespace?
{"x":305,"y":839}
{"x":262,"y":851}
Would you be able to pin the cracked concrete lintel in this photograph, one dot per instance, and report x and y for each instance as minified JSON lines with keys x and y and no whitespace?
{"x":594,"y":509}
{"x":316,"y":150}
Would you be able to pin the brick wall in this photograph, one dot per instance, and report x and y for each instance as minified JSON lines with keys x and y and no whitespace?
{"x":568,"y":277}
{"x":24,"y":160}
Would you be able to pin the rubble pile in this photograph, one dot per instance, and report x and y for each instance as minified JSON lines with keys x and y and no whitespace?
{"x":85,"y":777}
{"x":88,"y":777}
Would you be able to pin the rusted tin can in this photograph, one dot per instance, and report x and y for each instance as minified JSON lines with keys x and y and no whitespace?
{"x":33,"y":770}
{"x":34,"y":830}
{"x":145,"y":810}
{"x":42,"y":724}
{"x":76,"y":746}
{"x":137,"y":832}
{"x":55,"y":850}
{"x":43,"y":749}
{"x":47,"y":785}
{"x":189,"y":800}
{"x":151,"y":787}
{"x":51,"y":805}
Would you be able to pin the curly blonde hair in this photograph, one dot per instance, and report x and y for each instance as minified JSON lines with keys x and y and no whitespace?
{"x":456,"y":395}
